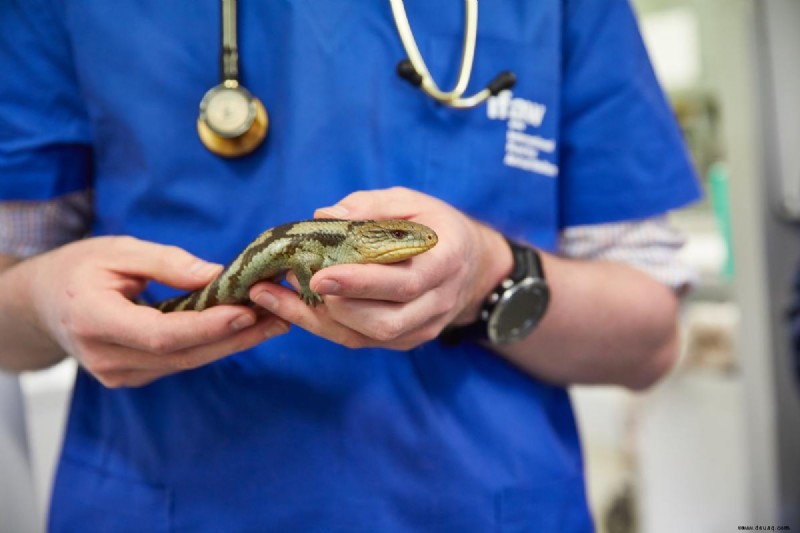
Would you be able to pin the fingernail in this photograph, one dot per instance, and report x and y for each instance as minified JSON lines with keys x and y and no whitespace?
{"x":242,"y":321}
{"x":279,"y":327}
{"x":328,"y":286}
{"x":204,"y":270}
{"x":336,"y":211}
{"x":266,"y":300}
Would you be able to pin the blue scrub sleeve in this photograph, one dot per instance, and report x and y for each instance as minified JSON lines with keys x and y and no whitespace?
{"x":44,"y":129}
{"x":622,"y":153}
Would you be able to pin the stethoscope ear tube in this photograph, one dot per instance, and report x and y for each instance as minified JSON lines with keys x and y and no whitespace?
{"x":503,"y":81}
{"x":407,"y":71}
{"x":414,"y":70}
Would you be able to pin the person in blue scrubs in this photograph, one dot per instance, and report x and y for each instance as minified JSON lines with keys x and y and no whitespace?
{"x":355,"y":418}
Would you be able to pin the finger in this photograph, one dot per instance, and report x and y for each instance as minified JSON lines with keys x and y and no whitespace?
{"x":391,"y":283}
{"x":115,"y":319}
{"x":121,"y":366}
{"x":395,"y":202}
{"x":387,"y":322}
{"x":394,"y":315}
{"x":359,"y":323}
{"x":399,"y":282}
{"x":129,"y":378}
{"x":285,"y":304}
{"x":170,"y":265}
{"x":267,"y":328}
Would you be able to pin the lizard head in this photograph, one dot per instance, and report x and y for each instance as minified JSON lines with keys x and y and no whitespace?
{"x":390,"y":241}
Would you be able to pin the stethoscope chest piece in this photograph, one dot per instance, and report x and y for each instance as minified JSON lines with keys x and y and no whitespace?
{"x":232,"y":122}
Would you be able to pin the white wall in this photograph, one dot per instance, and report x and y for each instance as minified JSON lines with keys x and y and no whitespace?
{"x":18,"y":512}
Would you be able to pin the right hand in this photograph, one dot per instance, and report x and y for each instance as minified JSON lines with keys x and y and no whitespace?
{"x":82,"y":295}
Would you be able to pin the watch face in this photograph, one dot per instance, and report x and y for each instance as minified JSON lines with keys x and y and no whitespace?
{"x":518,"y":311}
{"x":228,"y":111}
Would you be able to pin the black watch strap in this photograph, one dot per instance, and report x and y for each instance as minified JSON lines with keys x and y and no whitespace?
{"x":526,"y":263}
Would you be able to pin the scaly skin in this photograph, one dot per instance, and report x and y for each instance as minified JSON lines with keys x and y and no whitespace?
{"x":304,"y":248}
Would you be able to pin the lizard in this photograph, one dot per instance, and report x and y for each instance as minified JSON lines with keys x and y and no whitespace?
{"x":305,"y":247}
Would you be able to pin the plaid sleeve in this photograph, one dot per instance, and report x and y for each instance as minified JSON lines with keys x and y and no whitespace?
{"x":651,"y":245}
{"x":32,"y":227}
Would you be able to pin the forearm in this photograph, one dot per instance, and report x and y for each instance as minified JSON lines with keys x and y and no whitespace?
{"x":23,"y":346}
{"x":607,"y":323}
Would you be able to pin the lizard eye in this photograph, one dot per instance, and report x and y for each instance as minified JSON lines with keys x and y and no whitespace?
{"x":399,"y":234}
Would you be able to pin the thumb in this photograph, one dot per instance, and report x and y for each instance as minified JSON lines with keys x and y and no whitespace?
{"x":395,"y":202}
{"x":169,"y":265}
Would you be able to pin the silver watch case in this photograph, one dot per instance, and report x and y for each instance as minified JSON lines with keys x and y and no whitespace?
{"x":517,"y":311}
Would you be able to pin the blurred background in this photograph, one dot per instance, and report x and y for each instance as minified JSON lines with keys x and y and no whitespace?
{"x":716,"y":445}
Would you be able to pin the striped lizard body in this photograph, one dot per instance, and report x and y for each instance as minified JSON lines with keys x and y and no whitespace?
{"x":304,"y":248}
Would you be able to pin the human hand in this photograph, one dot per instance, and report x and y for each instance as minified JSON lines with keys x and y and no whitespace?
{"x":403,"y":305}
{"x":81,"y":297}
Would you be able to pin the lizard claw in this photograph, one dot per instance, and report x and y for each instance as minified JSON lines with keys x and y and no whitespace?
{"x":311,"y":298}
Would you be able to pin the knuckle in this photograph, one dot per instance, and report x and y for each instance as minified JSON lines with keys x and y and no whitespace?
{"x":112,"y":380}
{"x":123,"y":241}
{"x":160,"y":344}
{"x":404,"y":346}
{"x":101,"y":366}
{"x":79,"y":329}
{"x":357,"y":198}
{"x":141,"y":380}
{"x":245,"y":342}
{"x":388,"y":329}
{"x":172,"y":252}
{"x":182,"y":362}
{"x":353,"y":341}
{"x":429,"y":333}
{"x":410,"y":289}
{"x":89,"y":360}
{"x":443,"y":307}
{"x":169,"y":256}
{"x":399,"y":189}
{"x":454,"y":257}
{"x":80,"y":326}
{"x":381,"y":336}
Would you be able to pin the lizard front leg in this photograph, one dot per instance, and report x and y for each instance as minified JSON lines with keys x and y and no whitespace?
{"x":304,"y":265}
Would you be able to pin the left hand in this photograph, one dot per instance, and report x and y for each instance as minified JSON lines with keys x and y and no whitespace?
{"x":403,"y":305}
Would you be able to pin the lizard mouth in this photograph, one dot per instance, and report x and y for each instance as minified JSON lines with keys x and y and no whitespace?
{"x":404,"y":252}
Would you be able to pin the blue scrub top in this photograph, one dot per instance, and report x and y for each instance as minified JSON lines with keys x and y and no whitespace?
{"x":300,"y":434}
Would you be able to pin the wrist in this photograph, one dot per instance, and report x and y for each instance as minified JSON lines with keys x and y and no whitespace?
{"x":515,"y":306}
{"x":26,"y":343}
{"x":495,"y":263}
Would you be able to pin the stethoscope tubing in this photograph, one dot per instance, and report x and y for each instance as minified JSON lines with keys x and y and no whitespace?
{"x":427,"y":83}
{"x":252,"y":132}
{"x":416,"y":71}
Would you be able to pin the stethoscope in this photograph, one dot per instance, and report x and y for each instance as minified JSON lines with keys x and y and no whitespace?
{"x":233,"y":123}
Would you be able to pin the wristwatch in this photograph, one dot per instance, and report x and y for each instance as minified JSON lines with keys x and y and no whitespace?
{"x":514,"y":308}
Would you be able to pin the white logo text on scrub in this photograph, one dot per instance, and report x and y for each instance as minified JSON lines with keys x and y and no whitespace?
{"x":523,"y":149}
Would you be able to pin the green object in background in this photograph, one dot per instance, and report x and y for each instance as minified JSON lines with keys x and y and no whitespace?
{"x":718,"y":180}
